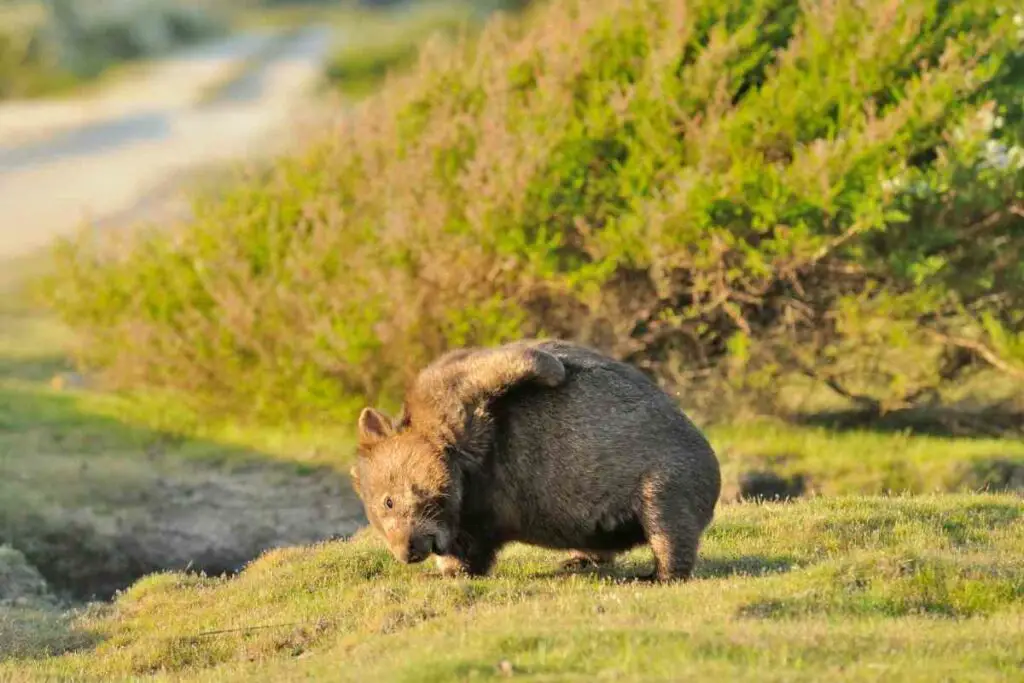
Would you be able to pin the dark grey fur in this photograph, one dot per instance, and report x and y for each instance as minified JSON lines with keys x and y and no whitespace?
{"x":598,"y":464}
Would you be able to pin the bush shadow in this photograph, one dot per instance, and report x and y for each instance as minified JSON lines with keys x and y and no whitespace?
{"x":946,"y":422}
{"x":707,"y":568}
{"x":744,"y":565}
{"x":33,"y":369}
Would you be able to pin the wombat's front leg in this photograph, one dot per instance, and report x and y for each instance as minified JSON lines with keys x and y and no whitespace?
{"x":468,"y":559}
{"x":671,"y":528}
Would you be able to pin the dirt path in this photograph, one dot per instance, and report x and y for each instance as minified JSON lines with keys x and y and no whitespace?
{"x":62,"y":163}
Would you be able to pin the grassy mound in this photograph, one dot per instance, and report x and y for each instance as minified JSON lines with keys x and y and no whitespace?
{"x":721,"y":192}
{"x":907,"y":589}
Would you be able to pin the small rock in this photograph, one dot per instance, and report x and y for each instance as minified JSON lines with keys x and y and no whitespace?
{"x":505,"y":668}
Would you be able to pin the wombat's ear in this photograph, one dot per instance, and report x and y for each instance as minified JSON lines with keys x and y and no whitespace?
{"x":404,"y":418}
{"x":374,"y":427}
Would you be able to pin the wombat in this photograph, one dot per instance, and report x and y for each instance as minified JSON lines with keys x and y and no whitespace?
{"x":543,"y":442}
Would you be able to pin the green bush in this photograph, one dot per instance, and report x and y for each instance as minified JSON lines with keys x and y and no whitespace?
{"x":390,"y":41}
{"x":724,"y":193}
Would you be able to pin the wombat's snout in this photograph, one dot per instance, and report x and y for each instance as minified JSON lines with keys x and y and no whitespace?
{"x":417,"y":549}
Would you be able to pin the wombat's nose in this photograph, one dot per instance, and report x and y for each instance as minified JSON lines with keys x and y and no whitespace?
{"x":419,"y":548}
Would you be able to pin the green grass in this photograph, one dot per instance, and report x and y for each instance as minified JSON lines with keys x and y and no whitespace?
{"x":868,"y":462}
{"x":855,"y":589}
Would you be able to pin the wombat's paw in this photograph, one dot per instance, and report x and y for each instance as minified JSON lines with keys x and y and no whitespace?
{"x":580,"y":561}
{"x":578,"y":564}
{"x":450,"y":566}
{"x":549,"y":370}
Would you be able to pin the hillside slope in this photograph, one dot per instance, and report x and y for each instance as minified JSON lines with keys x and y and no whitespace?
{"x":856,"y":589}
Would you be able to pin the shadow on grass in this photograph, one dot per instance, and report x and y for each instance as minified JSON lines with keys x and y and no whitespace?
{"x":94,"y":503}
{"x":995,"y":474}
{"x":35,"y":369}
{"x":707,"y":568}
{"x":946,"y":422}
{"x":745,"y":565}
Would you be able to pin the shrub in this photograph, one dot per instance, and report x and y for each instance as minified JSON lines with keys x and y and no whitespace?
{"x":390,"y":41}
{"x":723,"y":193}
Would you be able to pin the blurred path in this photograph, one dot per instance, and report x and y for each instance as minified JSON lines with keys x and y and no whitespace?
{"x":65,"y":162}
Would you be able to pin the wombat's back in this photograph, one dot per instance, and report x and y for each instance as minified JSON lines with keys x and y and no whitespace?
{"x":572,"y":461}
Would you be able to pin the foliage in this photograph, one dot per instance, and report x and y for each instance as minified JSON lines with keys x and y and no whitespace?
{"x":919,"y":589}
{"x":723,"y":193}
{"x":389,"y":41}
{"x":80,"y":40}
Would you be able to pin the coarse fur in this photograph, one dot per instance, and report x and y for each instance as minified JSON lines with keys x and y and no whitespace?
{"x":541,"y":442}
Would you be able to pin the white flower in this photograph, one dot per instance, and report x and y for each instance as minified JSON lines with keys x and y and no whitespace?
{"x":996,"y":155}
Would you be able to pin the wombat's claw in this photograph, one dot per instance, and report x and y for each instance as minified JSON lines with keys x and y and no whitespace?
{"x":578,"y":564}
{"x":450,"y":567}
{"x":582,"y":561}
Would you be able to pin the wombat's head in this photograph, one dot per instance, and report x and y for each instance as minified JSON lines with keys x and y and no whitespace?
{"x":410,"y":489}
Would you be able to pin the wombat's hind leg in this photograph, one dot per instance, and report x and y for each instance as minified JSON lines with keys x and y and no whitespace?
{"x":671,"y":528}
{"x":582,"y":559}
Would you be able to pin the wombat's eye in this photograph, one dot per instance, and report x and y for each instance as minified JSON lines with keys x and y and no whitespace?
{"x":388,"y":503}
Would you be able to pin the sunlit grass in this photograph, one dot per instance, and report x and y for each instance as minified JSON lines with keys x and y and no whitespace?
{"x":916,"y":588}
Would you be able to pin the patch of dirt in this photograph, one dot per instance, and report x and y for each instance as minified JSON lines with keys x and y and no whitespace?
{"x":204,"y":520}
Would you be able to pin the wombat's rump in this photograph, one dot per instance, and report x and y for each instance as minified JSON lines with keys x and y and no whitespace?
{"x":590,"y":457}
